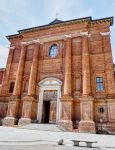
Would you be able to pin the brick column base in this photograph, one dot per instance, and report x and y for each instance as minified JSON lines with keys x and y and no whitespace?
{"x":66,"y":112}
{"x":24,"y":121}
{"x":28,"y":110}
{"x":87,"y":126}
{"x":12,"y":112}
{"x":9,"y":121}
{"x":86,"y":106}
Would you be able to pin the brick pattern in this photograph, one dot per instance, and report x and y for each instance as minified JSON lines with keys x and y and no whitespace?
{"x":90,"y":56}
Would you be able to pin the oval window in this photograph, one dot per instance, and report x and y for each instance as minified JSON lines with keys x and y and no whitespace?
{"x":53,"y":51}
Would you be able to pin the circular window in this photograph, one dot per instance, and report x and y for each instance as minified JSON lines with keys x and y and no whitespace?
{"x":53,"y":51}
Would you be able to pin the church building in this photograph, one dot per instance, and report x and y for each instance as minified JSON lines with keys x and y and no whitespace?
{"x":60,"y":73}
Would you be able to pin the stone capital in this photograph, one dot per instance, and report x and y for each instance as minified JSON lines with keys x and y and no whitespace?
{"x":31,"y":42}
{"x":12,"y":47}
{"x":85,"y":34}
{"x":104,"y":33}
{"x":24,"y":43}
{"x":67,"y":37}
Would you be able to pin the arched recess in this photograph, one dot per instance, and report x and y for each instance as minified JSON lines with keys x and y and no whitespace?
{"x":49,"y":84}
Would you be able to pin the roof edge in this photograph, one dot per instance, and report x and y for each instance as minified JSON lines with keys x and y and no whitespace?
{"x":51,"y":25}
{"x":85,"y":19}
{"x":13,"y":36}
{"x":111,"y":19}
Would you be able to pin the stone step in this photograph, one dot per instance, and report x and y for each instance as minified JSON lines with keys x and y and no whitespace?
{"x":43,"y":127}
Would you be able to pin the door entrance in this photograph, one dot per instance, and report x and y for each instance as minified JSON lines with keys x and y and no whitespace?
{"x":46,"y":111}
{"x":49,"y":106}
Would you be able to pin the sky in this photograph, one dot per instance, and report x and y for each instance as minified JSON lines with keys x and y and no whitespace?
{"x":20,"y":14}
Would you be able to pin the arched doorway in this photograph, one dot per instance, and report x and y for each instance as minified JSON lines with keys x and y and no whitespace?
{"x":49,"y":100}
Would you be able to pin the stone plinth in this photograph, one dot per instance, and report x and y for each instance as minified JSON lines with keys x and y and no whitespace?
{"x":27,"y":110}
{"x":66,"y":113}
{"x":24,"y":121}
{"x":12,"y":112}
{"x":9,"y":121}
{"x":86,"y":124}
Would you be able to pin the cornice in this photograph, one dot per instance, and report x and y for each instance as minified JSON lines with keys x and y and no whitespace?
{"x":75,"y":21}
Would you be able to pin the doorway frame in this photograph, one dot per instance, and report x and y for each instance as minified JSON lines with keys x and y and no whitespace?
{"x":49,"y":84}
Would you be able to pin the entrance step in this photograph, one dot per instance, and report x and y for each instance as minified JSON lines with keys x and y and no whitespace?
{"x":44,"y":127}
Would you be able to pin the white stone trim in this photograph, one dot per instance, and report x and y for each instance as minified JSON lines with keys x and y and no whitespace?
{"x":12,"y":47}
{"x":42,"y":88}
{"x":84,"y":33}
{"x":104,"y":33}
{"x":68,"y":36}
{"x":31,"y":42}
{"x":24,"y":43}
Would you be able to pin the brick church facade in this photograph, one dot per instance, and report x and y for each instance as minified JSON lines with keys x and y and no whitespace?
{"x":60,"y":73}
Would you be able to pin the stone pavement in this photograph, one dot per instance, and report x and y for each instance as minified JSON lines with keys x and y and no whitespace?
{"x":43,"y":127}
{"x":43,"y":147}
{"x":27,"y":139}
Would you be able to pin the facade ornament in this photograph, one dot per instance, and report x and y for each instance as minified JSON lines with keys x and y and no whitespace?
{"x":24,"y":43}
{"x":12,"y":47}
{"x":38,"y":41}
{"x":85,"y":34}
{"x":31,"y":42}
{"x":104,"y":33}
{"x":68,"y":36}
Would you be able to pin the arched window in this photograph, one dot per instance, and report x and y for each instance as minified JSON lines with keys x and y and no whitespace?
{"x":53,"y":51}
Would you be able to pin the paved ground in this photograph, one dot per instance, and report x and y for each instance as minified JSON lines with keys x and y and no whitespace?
{"x":43,"y":147}
{"x":43,"y":127}
{"x":27,"y":139}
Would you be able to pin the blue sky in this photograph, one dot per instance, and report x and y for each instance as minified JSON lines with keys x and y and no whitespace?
{"x":20,"y":14}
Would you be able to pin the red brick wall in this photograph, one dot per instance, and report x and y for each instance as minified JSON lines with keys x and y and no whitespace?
{"x":1,"y":78}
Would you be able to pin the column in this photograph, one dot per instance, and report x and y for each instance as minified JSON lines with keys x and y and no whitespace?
{"x":33,"y":74}
{"x":110,"y":80}
{"x":14,"y":103}
{"x":67,"y":78}
{"x":29,"y":101}
{"x":109,"y":68}
{"x":86,"y":101}
{"x":19,"y":75}
{"x":5,"y":86}
{"x":85,"y":67}
{"x":66,"y":100}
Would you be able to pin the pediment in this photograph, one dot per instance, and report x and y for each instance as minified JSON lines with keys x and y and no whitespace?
{"x":50,"y":81}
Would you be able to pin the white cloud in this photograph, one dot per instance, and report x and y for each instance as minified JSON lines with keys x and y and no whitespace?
{"x":19,"y":14}
{"x":3,"y":56}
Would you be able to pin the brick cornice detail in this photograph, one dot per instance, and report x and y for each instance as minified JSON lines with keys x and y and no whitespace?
{"x":58,"y":37}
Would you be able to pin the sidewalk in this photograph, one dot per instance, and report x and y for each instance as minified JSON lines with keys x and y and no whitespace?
{"x":47,"y":140}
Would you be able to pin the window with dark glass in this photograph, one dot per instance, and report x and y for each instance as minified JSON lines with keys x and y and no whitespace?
{"x":99,"y":82}
{"x":11,"y":87}
{"x":53,"y":51}
{"x":101,"y":110}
